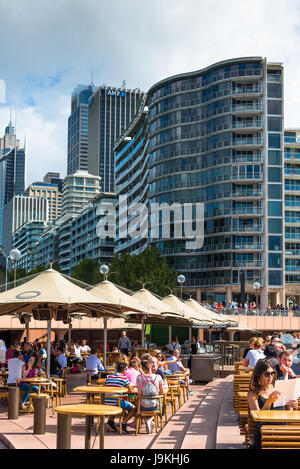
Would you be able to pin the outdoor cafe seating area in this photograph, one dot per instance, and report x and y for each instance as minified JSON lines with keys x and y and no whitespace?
{"x":280,"y":428}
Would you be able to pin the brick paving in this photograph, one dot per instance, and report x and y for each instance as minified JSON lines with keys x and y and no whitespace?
{"x":204,"y":421}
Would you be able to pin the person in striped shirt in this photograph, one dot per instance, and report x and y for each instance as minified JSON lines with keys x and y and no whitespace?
{"x":119,"y":379}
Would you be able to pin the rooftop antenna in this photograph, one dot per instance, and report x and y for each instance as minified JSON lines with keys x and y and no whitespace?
{"x":92,"y":77}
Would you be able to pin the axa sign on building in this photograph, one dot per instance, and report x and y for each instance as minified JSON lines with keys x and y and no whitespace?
{"x":111,"y":92}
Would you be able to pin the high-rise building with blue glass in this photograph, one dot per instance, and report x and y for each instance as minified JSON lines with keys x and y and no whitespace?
{"x":213,"y":136}
{"x":110,"y":112}
{"x":78,"y":129}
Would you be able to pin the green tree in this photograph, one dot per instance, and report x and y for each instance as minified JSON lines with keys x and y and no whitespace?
{"x":20,"y":273}
{"x":148,"y":268}
{"x":87,"y":271}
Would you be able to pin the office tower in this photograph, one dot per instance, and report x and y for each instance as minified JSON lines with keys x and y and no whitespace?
{"x":49,"y":192}
{"x":214,"y":137}
{"x":19,"y":210}
{"x":78,"y":129}
{"x":54,"y":178}
{"x":78,"y":189}
{"x":9,"y":140}
{"x":110,"y":112}
{"x":12,"y":178}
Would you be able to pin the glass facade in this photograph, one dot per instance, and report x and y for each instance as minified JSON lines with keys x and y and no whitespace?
{"x":212,"y":137}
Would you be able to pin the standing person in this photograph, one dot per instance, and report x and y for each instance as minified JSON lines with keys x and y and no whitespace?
{"x":149,"y":384}
{"x":175,"y":345}
{"x":195,"y":346}
{"x":147,"y":341}
{"x":2,"y":352}
{"x":27,"y":352}
{"x":262,"y":394}
{"x":124,"y":344}
{"x":42,"y":356}
{"x":93,"y":363}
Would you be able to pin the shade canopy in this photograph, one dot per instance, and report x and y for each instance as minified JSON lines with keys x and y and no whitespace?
{"x":187,"y":314}
{"x":126,"y":302}
{"x":219,"y":320}
{"x":49,"y":295}
{"x":151,"y":300}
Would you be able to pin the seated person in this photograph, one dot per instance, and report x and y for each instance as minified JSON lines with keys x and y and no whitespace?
{"x":135,"y":346}
{"x":262,"y":394}
{"x":251,"y":347}
{"x":163,"y":363}
{"x":42,"y":356}
{"x":27,"y":352}
{"x":284,"y":366}
{"x":119,"y":379}
{"x":155,"y":369}
{"x":62,"y":360}
{"x":271,"y":354}
{"x":147,"y":383}
{"x":15,"y":367}
{"x":29,"y":370}
{"x":93,"y":363}
{"x":73,"y":350}
{"x":84,"y":348}
{"x":175,"y":365}
{"x":255,"y":354}
{"x":115,"y":349}
{"x":133,"y":371}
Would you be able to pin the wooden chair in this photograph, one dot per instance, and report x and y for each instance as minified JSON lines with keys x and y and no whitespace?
{"x":174,"y":392}
{"x":58,"y":390}
{"x":184,"y":385}
{"x":149,"y":413}
{"x":280,"y":437}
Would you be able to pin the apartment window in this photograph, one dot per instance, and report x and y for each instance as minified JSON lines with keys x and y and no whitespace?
{"x":275,"y":209}
{"x":275,"y":225}
{"x":274,"y":174}
{"x":275,"y":277}
{"x":275,"y":191}
{"x":274,"y":157}
{"x":274,"y":140}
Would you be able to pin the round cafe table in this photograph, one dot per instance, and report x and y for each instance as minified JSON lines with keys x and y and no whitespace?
{"x":65,"y":413}
{"x":100,"y":390}
{"x":38,"y":381}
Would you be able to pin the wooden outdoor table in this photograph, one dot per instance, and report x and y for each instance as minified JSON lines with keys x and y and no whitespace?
{"x":101,"y":390}
{"x":65,"y":413}
{"x":276,"y":416}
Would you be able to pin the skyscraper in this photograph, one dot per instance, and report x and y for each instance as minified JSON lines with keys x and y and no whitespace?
{"x":78,"y":129}
{"x":9,"y":140}
{"x":110,"y":112}
{"x":213,"y":136}
{"x":12,"y":177}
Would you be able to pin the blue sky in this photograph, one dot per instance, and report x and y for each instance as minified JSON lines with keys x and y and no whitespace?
{"x":47,"y":48}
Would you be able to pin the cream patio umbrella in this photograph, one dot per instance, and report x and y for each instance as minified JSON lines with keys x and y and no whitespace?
{"x":218,"y":319}
{"x":111,"y":292}
{"x":49,"y":295}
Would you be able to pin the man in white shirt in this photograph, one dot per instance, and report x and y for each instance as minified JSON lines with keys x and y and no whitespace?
{"x":93,"y":364}
{"x":15,"y":366}
{"x":83,"y":348}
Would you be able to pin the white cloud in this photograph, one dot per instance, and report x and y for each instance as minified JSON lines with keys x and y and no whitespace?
{"x":48,"y":48}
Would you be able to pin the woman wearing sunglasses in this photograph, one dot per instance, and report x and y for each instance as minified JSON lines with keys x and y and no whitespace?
{"x":262,"y":394}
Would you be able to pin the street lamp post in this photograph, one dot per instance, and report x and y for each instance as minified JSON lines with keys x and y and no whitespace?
{"x":181,"y":280}
{"x":15,"y":256}
{"x":256,"y":286}
{"x":104,"y":269}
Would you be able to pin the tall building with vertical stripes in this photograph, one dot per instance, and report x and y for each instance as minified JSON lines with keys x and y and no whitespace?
{"x":110,"y":112}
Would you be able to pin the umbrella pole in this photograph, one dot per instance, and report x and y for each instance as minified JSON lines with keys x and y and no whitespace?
{"x":27,"y":332}
{"x":48,"y":348}
{"x":143,"y":332}
{"x":104,"y":341}
{"x":70,"y":330}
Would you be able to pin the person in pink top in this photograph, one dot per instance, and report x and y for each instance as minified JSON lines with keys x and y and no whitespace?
{"x":29,"y":370}
{"x":133,"y":371}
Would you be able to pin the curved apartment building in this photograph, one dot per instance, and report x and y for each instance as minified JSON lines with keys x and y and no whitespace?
{"x":214,"y":137}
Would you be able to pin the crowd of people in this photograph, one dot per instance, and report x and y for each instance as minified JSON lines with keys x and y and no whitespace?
{"x":250,"y":308}
{"x":272,"y":361}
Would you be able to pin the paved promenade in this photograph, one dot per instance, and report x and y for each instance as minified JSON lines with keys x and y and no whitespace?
{"x":205,"y":421}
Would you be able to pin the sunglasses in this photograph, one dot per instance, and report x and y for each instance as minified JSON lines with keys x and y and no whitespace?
{"x":267,"y":374}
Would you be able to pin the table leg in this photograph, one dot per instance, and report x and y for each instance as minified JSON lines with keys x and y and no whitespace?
{"x":88,"y":424}
{"x":102,"y":420}
{"x":63,"y":438}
